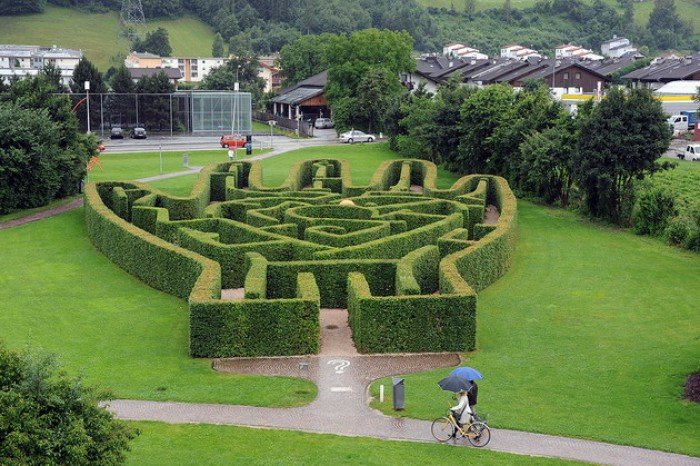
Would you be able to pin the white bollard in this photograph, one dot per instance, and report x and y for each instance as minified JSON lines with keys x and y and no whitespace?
{"x":381,"y":393}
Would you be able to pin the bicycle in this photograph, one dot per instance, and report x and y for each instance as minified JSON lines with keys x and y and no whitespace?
{"x":446,"y":427}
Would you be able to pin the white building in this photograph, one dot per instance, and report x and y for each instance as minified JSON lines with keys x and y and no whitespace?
{"x":28,"y":60}
{"x":457,"y":50}
{"x":518,"y":52}
{"x":617,"y":47}
{"x":574,"y":51}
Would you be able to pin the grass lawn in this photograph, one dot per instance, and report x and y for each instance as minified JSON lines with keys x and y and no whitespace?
{"x":60,"y":294}
{"x":591,"y":334}
{"x":164,"y":444}
{"x":97,"y":34}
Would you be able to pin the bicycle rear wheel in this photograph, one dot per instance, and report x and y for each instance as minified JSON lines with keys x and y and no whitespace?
{"x":442,"y":429}
{"x":479,"y":434}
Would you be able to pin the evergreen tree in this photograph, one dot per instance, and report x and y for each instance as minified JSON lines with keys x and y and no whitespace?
{"x":507,"y":10}
{"x":470,"y":8}
{"x":665,"y":25}
{"x":157,"y":42}
{"x":217,"y":48}
{"x":86,"y":71}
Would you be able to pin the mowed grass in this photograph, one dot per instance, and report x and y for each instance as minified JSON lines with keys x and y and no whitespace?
{"x":146,"y":164}
{"x":59,"y":294}
{"x":591,"y":334}
{"x":97,"y":34}
{"x":185,"y":444}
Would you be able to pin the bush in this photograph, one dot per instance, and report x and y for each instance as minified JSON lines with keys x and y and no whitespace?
{"x":652,"y":212}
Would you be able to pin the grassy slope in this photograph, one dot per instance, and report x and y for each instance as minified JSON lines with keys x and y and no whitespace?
{"x":163,"y":444}
{"x":683,"y":181}
{"x":687,"y":9}
{"x":98,"y":34}
{"x":592,"y":334}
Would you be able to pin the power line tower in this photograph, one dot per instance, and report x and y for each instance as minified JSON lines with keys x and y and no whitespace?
{"x":132,"y":13}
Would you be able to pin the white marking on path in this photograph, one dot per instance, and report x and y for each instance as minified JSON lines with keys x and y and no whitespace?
{"x":341,"y":389}
{"x":340,"y":365}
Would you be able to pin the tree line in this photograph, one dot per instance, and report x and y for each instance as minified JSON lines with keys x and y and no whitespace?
{"x":591,"y":160}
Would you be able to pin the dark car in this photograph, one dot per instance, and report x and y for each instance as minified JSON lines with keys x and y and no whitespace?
{"x":138,"y":133}
{"x":116,"y":133}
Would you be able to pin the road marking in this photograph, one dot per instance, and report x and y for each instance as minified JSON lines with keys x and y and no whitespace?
{"x":341,"y":389}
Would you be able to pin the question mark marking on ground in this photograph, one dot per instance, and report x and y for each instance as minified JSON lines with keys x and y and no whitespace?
{"x":340,"y":365}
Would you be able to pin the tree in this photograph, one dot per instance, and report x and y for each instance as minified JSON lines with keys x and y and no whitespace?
{"x":507,"y":10}
{"x":304,"y":57}
{"x":50,"y":418}
{"x":154,"y":110}
{"x":470,"y":9}
{"x":665,"y":25}
{"x":242,"y":69}
{"x":481,"y":114}
{"x":547,"y":161}
{"x":217,"y":48}
{"x":86,"y":71}
{"x":121,"y":102}
{"x":66,"y":159}
{"x":157,"y":42}
{"x":21,"y":7}
{"x":621,"y":141}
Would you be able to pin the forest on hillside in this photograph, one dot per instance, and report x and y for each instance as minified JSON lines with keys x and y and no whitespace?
{"x":264,"y":26}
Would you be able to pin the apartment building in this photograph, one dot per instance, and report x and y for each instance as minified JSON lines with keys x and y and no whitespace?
{"x":28,"y":60}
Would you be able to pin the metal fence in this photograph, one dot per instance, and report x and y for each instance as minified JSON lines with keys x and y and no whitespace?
{"x":304,"y":128}
{"x":183,"y":112}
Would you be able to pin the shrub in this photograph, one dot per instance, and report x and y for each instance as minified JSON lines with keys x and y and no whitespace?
{"x":652,"y":212}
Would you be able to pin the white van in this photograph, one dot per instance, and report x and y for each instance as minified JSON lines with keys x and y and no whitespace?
{"x":678,"y":123}
{"x":691,"y":152}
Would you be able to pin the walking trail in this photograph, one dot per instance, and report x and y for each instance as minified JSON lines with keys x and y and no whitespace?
{"x":342,"y":377}
{"x":341,"y":407}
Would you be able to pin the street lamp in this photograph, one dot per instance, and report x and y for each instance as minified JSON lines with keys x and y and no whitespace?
{"x":271,"y":123}
{"x":87,"y":91}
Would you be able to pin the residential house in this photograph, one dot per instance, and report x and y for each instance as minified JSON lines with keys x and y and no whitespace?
{"x":29,"y":60}
{"x":143,"y":60}
{"x":657,"y":74}
{"x":567,"y":76}
{"x":174,"y":75}
{"x":518,"y":52}
{"x":574,"y":51}
{"x":457,"y":50}
{"x":617,"y":47}
{"x":270,"y":72}
{"x":193,"y":69}
{"x":432,"y":70}
{"x":304,"y":100}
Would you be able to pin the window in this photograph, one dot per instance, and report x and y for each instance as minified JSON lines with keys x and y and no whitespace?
{"x":566,"y":75}
{"x":578,"y":75}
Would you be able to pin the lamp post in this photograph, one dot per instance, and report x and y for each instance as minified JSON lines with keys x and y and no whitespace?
{"x":87,"y":91}
{"x":271,"y":123}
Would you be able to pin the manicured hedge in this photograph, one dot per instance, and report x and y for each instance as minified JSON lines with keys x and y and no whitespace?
{"x":255,"y":285}
{"x":417,"y":272}
{"x":409,"y":323}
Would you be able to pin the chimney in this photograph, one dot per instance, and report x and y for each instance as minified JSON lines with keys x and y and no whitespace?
{"x":450,"y":65}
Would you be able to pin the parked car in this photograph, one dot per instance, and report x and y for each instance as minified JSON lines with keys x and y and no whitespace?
{"x":116,"y":133}
{"x":691,"y":152}
{"x":322,"y":123}
{"x":138,"y":133}
{"x":678,"y":122}
{"x":232,"y":141}
{"x":356,"y":136}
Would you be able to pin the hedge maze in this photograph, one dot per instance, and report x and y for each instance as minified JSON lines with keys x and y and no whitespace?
{"x":405,"y":258}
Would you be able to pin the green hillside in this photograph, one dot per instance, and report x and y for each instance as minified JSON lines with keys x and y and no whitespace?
{"x":97,"y":34}
{"x":687,"y":9}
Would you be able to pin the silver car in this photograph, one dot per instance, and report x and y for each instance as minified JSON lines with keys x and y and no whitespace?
{"x":322,"y":123}
{"x":357,"y":136}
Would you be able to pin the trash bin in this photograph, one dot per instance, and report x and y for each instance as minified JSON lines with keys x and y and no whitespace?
{"x":248,"y":148}
{"x":397,"y":393}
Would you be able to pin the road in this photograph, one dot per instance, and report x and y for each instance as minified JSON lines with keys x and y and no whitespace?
{"x":192,"y":143}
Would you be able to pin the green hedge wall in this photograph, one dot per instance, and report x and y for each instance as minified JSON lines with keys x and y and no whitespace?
{"x":409,"y":323}
{"x":417,"y":272}
{"x":255,"y":284}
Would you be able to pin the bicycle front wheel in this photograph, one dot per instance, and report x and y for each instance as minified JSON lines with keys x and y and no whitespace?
{"x":442,"y":429}
{"x":479,"y":434}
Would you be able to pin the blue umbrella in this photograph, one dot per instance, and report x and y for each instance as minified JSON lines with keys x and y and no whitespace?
{"x":468,"y":373}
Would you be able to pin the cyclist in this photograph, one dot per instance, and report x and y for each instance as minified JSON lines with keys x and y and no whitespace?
{"x":472,"y":393}
{"x":462,"y":412}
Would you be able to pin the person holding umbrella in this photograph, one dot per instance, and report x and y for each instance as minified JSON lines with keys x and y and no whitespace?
{"x":462,"y":412}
